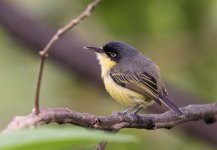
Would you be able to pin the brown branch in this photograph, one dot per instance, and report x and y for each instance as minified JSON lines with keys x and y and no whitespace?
{"x":116,"y":121}
{"x":87,"y":12}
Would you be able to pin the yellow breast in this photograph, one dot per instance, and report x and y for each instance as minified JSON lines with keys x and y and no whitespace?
{"x":122,"y":95}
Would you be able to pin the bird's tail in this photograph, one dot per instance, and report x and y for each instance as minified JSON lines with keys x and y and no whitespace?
{"x":171,"y":106}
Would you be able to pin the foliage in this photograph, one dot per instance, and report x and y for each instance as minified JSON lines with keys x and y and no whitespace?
{"x":58,"y":138}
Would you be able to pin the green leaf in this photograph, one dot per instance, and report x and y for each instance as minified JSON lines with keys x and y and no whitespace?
{"x":57,"y":138}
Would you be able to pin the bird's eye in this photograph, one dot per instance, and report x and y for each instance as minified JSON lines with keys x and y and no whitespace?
{"x":113,"y":54}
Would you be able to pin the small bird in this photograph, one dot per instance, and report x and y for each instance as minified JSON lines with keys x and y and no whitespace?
{"x":131,"y":78}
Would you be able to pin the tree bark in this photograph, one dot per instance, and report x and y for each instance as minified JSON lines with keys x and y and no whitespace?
{"x":116,"y":121}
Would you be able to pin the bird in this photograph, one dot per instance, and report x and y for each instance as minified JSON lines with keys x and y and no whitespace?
{"x":131,"y":78}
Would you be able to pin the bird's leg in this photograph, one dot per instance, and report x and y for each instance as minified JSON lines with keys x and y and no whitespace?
{"x":137,"y":107}
{"x":137,"y":110}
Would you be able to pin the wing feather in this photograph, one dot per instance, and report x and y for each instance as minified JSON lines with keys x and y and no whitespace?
{"x":140,"y":82}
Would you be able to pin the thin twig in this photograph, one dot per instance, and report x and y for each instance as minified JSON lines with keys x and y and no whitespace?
{"x":87,"y":12}
{"x":117,"y":121}
{"x":37,"y":93}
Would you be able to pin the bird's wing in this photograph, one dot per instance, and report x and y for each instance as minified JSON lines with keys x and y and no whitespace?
{"x":140,"y":82}
{"x":145,"y":84}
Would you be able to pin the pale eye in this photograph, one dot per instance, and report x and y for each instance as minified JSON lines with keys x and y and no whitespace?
{"x":113,"y":54}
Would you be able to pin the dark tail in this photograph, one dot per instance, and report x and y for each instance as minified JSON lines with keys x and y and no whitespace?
{"x":171,"y":106}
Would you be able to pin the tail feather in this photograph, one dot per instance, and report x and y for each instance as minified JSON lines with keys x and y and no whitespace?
{"x":171,"y":106}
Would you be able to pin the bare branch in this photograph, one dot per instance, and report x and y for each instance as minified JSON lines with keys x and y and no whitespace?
{"x":87,"y":12}
{"x":71,"y":24}
{"x":116,"y":121}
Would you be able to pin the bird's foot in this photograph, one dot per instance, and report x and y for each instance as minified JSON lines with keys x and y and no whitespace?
{"x":133,"y":115}
{"x":135,"y":118}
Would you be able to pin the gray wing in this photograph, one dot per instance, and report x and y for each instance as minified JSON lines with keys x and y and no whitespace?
{"x":145,"y":71}
{"x":142,"y":83}
{"x":143,"y":76}
{"x":145,"y":84}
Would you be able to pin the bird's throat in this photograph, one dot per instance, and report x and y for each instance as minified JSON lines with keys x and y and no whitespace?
{"x":106,"y":64}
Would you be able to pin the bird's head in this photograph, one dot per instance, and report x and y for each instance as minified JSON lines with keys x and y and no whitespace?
{"x":114,"y":51}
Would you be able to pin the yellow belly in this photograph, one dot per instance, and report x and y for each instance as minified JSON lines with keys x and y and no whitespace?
{"x":122,"y":95}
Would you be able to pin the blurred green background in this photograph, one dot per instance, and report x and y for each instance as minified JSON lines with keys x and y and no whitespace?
{"x":179,"y":35}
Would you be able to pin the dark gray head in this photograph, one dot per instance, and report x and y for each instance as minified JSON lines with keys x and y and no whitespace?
{"x":116,"y":50}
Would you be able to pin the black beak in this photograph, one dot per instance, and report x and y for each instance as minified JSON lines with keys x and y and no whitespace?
{"x":96,"y":49}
